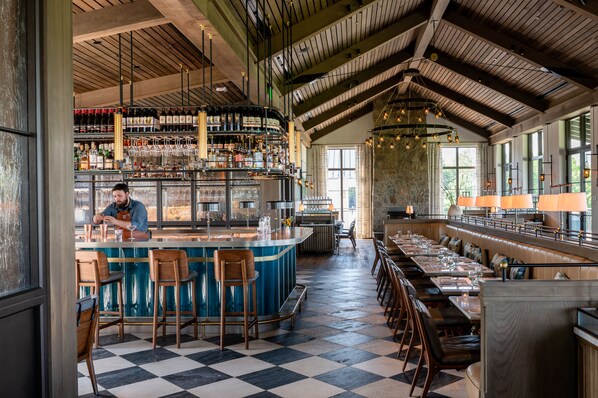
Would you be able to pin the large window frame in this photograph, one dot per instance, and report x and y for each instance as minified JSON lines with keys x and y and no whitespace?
{"x":535,"y":159}
{"x":506,"y":157}
{"x":456,"y":186}
{"x":578,"y":147}
{"x":344,"y":161}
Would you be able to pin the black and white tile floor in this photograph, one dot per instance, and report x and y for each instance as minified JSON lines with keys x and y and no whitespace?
{"x":340,"y":347}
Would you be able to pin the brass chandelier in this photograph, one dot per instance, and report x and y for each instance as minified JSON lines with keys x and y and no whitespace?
{"x":410,"y":121}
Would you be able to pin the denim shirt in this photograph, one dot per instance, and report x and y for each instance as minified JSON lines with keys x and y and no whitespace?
{"x":137,"y":211}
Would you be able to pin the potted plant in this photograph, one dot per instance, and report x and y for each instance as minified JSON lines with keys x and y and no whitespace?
{"x":454,"y":210}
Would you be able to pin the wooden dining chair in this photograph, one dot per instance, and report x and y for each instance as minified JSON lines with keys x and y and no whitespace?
{"x":440,"y":353}
{"x":87,"y":319}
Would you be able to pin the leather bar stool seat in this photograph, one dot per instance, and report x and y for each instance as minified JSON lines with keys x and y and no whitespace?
{"x":93,"y":272}
{"x":472,"y":380}
{"x":170,"y":268}
{"x":237,"y":268}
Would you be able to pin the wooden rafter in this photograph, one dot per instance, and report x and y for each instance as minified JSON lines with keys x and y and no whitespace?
{"x":466,"y":101}
{"x":485,"y":79}
{"x":316,"y":135}
{"x":143,"y":89}
{"x":319,"y":22}
{"x":353,"y":81}
{"x":367,"y":95}
{"x":425,"y":38}
{"x":113,"y":20}
{"x":370,"y":43}
{"x":588,"y":9}
{"x":519,"y":49}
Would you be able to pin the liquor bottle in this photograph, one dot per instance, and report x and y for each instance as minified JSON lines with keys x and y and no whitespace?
{"x":93,"y":156}
{"x":175,"y":120}
{"x":162,"y":120}
{"x":84,"y":157}
{"x":76,"y":158}
{"x":237,"y":119}
{"x":169,"y":117}
{"x":109,"y":156}
{"x":110,"y":121}
{"x":125,"y":121}
{"x":189,"y":120}
{"x":76,"y":121}
{"x":100,"y":157}
{"x":194,"y":112}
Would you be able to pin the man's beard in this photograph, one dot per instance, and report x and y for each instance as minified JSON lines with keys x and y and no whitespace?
{"x":122,"y":204}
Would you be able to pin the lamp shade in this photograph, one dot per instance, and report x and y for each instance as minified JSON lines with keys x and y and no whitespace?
{"x":572,"y":201}
{"x":506,"y":202}
{"x":523,"y":201}
{"x":466,"y":201}
{"x":480,"y":201}
{"x":548,"y":202}
{"x":492,"y":201}
{"x":409,"y":209}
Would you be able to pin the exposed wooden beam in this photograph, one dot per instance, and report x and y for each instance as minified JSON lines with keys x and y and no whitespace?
{"x":485,"y":79}
{"x":143,"y":89}
{"x":319,"y":22}
{"x":477,"y":130}
{"x":355,"y":80}
{"x":356,"y":100}
{"x":317,"y":134}
{"x":589,"y":9}
{"x":467,"y":102}
{"x":406,"y":24}
{"x":424,"y":38}
{"x":519,"y":49}
{"x":228,"y":43}
{"x":113,"y":20}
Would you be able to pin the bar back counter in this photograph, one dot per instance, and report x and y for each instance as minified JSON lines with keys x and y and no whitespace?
{"x":275,"y":259}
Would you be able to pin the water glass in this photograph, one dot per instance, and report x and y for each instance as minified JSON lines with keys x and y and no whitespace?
{"x":118,"y":235}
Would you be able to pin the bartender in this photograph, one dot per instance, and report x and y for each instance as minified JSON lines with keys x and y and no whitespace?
{"x":125,"y":213}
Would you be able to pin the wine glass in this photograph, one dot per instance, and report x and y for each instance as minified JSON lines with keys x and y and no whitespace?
{"x":131,"y":227}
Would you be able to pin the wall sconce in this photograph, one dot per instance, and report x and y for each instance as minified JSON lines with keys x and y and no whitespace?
{"x":330,"y":207}
{"x":542,"y":175}
{"x":587,"y":170}
{"x":409,"y":211}
{"x":510,"y":179}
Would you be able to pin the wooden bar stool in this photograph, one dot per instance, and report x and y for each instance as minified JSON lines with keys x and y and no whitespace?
{"x":92,"y":271}
{"x":237,"y":268}
{"x":87,"y":320}
{"x":171,"y":268}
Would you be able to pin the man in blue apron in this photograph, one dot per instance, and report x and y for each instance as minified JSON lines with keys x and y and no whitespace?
{"x":125,"y":213}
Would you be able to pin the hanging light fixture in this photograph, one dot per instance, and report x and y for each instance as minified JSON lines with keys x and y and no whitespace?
{"x":408,"y":117}
{"x":291,"y":135}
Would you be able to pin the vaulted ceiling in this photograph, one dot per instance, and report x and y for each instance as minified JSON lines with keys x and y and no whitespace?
{"x":489,"y":64}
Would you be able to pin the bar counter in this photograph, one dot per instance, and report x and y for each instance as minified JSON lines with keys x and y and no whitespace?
{"x":275,"y":260}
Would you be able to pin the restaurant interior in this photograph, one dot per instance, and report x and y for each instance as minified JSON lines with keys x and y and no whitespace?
{"x":352,"y":198}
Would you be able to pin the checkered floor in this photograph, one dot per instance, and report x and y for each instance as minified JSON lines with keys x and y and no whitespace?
{"x":340,"y":347}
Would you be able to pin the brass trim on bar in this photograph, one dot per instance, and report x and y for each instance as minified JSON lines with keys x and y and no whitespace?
{"x":259,"y":259}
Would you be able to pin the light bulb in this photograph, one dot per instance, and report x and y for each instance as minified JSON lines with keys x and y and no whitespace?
{"x":392,"y":145}
{"x":398,"y":137}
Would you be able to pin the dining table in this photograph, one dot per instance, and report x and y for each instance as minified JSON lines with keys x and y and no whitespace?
{"x":457,"y":285}
{"x":462,"y":266}
{"x":470,"y":306}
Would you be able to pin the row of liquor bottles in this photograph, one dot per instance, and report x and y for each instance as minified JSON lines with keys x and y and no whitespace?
{"x":158,"y":154}
{"x":184,"y":119}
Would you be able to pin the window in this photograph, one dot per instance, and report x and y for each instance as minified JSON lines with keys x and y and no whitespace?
{"x":458,"y":173}
{"x":535,"y":159}
{"x":578,"y":145}
{"x":507,"y":162}
{"x":342,"y":182}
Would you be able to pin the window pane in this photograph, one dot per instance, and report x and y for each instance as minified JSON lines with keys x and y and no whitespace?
{"x":506,"y":153}
{"x":348,"y":158}
{"x":13,"y":79}
{"x":333,"y":185}
{"x":587,"y":128}
{"x":535,"y":145}
{"x":15,"y":271}
{"x":574,"y":170}
{"x":334,"y":158}
{"x":574,"y":133}
{"x":467,"y":182}
{"x":449,"y":157}
{"x":467,"y":157}
{"x":534,"y":176}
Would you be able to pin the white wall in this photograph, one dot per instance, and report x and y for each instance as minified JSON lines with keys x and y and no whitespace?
{"x":352,"y":133}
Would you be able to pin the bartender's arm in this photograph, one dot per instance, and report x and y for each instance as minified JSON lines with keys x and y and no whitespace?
{"x":113,"y":221}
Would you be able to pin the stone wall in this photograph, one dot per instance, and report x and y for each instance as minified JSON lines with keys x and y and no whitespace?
{"x":400,"y":175}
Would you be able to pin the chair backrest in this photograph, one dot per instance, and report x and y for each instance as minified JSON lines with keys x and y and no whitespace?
{"x":455,"y":245}
{"x":90,"y":264}
{"x":234,"y":264}
{"x":168,"y":265}
{"x":87,"y":318}
{"x":427,"y":330}
{"x":351,"y":228}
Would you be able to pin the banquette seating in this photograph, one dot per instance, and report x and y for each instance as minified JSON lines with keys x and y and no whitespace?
{"x":516,"y":251}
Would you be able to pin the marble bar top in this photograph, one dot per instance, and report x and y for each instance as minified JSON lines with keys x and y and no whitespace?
{"x":219,"y":237}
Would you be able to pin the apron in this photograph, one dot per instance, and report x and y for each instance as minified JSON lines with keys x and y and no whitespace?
{"x":123,"y":215}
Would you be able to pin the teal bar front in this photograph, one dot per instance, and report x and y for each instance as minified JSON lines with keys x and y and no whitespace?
{"x":275,"y":260}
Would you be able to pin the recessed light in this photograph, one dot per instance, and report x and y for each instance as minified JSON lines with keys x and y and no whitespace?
{"x":221,"y":89}
{"x":96,"y":42}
